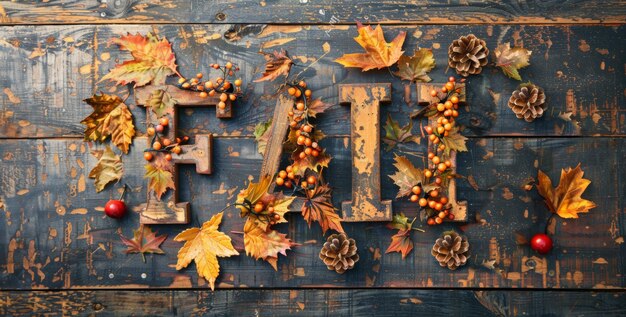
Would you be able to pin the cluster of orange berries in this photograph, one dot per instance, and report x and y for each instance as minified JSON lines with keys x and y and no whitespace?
{"x":436,"y":203}
{"x":260,"y":209}
{"x":224,"y":85}
{"x":163,"y":144}
{"x":305,"y":140}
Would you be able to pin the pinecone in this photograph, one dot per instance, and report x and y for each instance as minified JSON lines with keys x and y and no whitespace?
{"x":451,"y":250}
{"x":339,"y":253}
{"x":468,"y":55}
{"x":528,"y":102}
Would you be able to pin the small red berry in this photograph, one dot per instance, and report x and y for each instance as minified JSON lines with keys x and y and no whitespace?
{"x":541,"y":243}
{"x":115,"y":208}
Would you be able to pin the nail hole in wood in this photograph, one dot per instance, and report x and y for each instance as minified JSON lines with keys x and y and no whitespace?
{"x":220,"y":16}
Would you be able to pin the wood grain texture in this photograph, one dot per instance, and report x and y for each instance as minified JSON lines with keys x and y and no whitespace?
{"x":365,"y":101}
{"x":48,"y":70}
{"x":310,"y":302}
{"x":53,"y":233}
{"x":313,"y":12}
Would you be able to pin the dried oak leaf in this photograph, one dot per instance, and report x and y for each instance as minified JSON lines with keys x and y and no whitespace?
{"x":416,"y":67}
{"x":455,"y":141}
{"x":394,"y":134}
{"x":565,"y":200}
{"x":109,"y":168}
{"x":110,"y":118}
{"x":203,"y":246}
{"x":153,"y":60}
{"x":406,"y":176}
{"x":144,"y":241}
{"x":378,"y":53}
{"x":159,"y":175}
{"x":401,"y":241}
{"x":262,"y":135}
{"x":161,"y":103}
{"x":510,"y":60}
{"x":319,"y":207}
{"x":265,"y":244}
{"x":277,"y":64}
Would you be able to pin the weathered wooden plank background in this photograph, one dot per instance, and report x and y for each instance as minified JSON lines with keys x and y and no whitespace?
{"x":54,"y":235}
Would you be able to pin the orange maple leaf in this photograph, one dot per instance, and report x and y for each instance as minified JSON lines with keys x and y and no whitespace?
{"x":565,"y":200}
{"x":319,"y":207}
{"x":153,"y":60}
{"x":378,"y":53}
{"x":159,"y":175}
{"x":265,"y":244}
{"x":401,"y":242}
{"x":144,"y":241}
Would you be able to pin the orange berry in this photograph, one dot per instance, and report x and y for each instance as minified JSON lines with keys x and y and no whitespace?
{"x":307,"y":128}
{"x":444,"y":90}
{"x":302,"y":84}
{"x":308,"y":142}
{"x":434,"y":193}
{"x":298,"y":93}
{"x":431,"y":203}
{"x":443,"y":200}
{"x":432,"y":137}
{"x":428,"y":129}
{"x":440,"y":130}
{"x":237,"y":82}
{"x":308,"y":151}
{"x":441,"y":215}
{"x":166,"y":142}
{"x":212,"y":93}
{"x":226,"y":85}
{"x":289,"y":169}
{"x":203,"y":94}
{"x":311,"y":179}
{"x":258,"y":207}
{"x":452,"y":79}
{"x":164,"y":122}
{"x":455,"y":113}
{"x":291,"y":175}
{"x":450,"y":85}
{"x":176,"y":150}
{"x":442,"y":167}
{"x":186,"y":85}
{"x":314,"y":145}
{"x":308,"y":93}
{"x":315,"y":153}
{"x":181,"y":80}
{"x":416,"y":190}
{"x":423,"y":202}
{"x":282,"y":174}
{"x":441,"y":107}
{"x":232,"y":97}
{"x":168,"y":157}
{"x":223,"y":97}
{"x":288,"y":184}
{"x":208,"y":85}
{"x":451,"y":216}
{"x":431,"y":155}
{"x":300,"y":106}
{"x":304,"y":184}
{"x":414,"y":198}
{"x":454,"y":99}
{"x":221,"y":105}
{"x":228,"y":65}
{"x":156,"y":145}
{"x":147,"y":156}
{"x":280,"y":181}
{"x":291,"y":91}
{"x":430,"y":221}
{"x":433,"y":93}
{"x":448,"y":104}
{"x":438,"y":206}
{"x":447,"y":163}
{"x":300,"y":140}
{"x":302,"y":155}
{"x":428,"y":173}
{"x":436,"y":160}
{"x":438,"y":220}
{"x":150,"y":131}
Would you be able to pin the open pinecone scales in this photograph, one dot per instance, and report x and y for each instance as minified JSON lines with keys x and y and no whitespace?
{"x":528,"y":102}
{"x":467,"y":55}
{"x":339,"y":253}
{"x":451,"y":250}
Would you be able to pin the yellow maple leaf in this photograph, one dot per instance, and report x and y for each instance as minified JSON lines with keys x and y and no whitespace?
{"x":565,"y":200}
{"x":378,"y":53}
{"x":109,"y":168}
{"x":110,"y":118}
{"x":203,"y":246}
